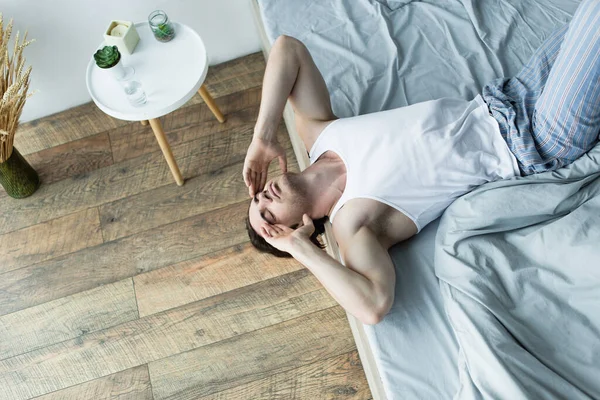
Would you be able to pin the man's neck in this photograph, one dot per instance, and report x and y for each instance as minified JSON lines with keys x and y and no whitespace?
{"x":326,"y":181}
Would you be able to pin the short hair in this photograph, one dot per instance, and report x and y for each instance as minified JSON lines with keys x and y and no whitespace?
{"x":261,"y":244}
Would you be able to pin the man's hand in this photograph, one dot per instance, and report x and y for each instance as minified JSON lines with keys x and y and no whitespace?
{"x":260,"y":154}
{"x":286,"y":239}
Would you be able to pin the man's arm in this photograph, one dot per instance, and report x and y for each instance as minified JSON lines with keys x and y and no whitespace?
{"x":291,"y":73}
{"x":365,"y":286}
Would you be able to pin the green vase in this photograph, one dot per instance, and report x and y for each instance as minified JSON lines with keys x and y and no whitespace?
{"x":17,"y":177}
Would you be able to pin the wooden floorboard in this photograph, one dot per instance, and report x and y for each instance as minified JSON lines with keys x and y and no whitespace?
{"x":73,"y":124}
{"x":115,"y":283}
{"x":130,"y":384}
{"x":50,"y":239}
{"x":72,"y":158}
{"x":235,"y":76}
{"x":122,"y":258}
{"x":332,"y":378}
{"x":186,"y":282}
{"x":67,"y":318}
{"x":271,"y":350}
{"x":162,"y":335}
{"x":125,"y":179}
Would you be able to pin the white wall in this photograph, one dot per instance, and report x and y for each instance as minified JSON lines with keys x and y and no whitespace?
{"x":67,"y":33}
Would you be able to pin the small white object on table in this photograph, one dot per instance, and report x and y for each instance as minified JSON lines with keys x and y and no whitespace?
{"x":170,"y":74}
{"x":119,"y":30}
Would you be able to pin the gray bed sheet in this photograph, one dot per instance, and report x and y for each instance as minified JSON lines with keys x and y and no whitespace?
{"x":381,"y":54}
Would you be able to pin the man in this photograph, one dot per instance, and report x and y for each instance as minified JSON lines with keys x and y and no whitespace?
{"x":381,"y":177}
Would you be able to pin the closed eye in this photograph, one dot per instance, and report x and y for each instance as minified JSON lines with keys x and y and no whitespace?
{"x":272,"y":218}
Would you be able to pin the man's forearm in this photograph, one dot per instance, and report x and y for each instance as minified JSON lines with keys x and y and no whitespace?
{"x":350,"y":289}
{"x":280,"y":76}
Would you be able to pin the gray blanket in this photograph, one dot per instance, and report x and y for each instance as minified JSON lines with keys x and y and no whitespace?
{"x":519,"y":268}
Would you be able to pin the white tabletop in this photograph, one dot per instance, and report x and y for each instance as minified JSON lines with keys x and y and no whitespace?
{"x":170,"y":73}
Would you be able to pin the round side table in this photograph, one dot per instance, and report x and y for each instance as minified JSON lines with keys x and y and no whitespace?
{"x":170,"y":74}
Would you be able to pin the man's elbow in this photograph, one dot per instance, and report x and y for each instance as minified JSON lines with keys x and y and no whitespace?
{"x":376,"y":314}
{"x":288,"y":42}
{"x":371,"y":319}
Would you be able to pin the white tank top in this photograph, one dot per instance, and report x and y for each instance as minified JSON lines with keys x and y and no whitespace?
{"x":418,"y":159}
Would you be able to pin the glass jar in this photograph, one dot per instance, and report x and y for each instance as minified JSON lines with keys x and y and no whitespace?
{"x":133,"y":88}
{"x":161,"y":27}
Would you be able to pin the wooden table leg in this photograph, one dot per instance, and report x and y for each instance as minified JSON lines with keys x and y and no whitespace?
{"x":144,"y":122}
{"x":166,"y":149}
{"x":211,"y":103}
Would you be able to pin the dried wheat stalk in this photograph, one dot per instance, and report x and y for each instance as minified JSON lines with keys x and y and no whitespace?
{"x":14,"y":84}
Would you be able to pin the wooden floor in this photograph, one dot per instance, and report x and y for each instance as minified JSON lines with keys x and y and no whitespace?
{"x":115,"y":283}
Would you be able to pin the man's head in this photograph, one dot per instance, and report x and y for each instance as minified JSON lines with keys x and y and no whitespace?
{"x":283,"y":201}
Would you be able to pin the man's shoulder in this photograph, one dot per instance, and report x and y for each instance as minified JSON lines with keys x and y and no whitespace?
{"x":348,"y":221}
{"x":371,"y":217}
{"x":312,"y":129}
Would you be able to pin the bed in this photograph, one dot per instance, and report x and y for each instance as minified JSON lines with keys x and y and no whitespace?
{"x":470,"y":283}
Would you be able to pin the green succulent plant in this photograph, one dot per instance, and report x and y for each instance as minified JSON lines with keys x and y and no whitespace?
{"x":164,"y":30}
{"x":107,"y":57}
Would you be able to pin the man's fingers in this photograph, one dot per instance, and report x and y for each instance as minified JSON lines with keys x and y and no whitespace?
{"x":246,"y":175}
{"x":259,"y":181}
{"x":263,"y":180}
{"x":306,"y":219}
{"x":283,"y":163}
{"x":257,"y":188}
{"x":274,"y":233}
{"x":252,"y":183}
{"x":256,"y":182}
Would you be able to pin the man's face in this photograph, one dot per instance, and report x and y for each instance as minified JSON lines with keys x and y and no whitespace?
{"x":282,"y":201}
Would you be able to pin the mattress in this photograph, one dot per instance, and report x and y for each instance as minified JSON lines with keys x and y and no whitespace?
{"x":381,"y":54}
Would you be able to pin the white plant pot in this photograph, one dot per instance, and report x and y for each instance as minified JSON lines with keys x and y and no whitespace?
{"x":117,"y":70}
